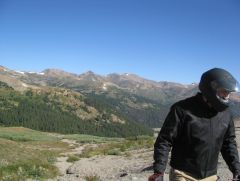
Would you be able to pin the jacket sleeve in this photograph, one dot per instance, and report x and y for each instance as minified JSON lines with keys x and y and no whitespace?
{"x":165,"y":139}
{"x":229,"y":150}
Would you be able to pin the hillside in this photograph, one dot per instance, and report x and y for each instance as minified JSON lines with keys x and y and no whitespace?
{"x":163,"y":92}
{"x":63,"y":111}
{"x":113,"y":105}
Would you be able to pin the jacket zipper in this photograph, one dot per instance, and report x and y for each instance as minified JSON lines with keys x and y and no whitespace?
{"x":210,"y":147}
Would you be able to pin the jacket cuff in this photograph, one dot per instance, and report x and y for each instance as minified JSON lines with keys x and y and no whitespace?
{"x":157,"y":168}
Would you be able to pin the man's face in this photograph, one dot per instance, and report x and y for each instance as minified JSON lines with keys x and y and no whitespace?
{"x":223,"y":94}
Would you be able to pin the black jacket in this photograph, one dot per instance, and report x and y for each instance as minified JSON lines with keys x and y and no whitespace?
{"x":196,"y":133}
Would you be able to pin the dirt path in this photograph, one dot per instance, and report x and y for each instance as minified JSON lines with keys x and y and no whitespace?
{"x":132,"y":167}
{"x":62,"y":163}
{"x":135,"y":166}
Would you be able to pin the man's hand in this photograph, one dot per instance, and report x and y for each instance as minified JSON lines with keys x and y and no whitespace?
{"x":236,"y":178}
{"x":157,"y":177}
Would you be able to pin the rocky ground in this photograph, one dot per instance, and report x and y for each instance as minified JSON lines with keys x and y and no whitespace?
{"x":135,"y":166}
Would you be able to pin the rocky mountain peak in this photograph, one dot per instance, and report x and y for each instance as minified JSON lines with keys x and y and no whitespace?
{"x":2,"y":68}
{"x":125,"y":77}
{"x":57,"y":72}
{"x":89,"y":73}
{"x":91,"y":76}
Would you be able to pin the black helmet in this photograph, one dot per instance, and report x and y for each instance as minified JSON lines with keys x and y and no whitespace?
{"x":215,"y":79}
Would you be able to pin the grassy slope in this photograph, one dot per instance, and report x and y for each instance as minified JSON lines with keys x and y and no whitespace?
{"x":25,"y":153}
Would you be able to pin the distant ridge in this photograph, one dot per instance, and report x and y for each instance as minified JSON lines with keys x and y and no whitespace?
{"x":112,"y":105}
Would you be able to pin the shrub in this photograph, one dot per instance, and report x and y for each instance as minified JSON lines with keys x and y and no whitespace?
{"x":72,"y":158}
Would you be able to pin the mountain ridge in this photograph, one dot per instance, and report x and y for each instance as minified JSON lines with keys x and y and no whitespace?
{"x":113,"y":101}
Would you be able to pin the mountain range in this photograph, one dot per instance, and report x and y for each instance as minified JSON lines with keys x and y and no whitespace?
{"x":113,"y":105}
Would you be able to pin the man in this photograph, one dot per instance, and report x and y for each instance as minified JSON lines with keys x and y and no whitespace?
{"x":196,"y":130}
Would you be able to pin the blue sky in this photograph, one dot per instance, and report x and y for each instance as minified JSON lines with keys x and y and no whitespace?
{"x":162,"y":40}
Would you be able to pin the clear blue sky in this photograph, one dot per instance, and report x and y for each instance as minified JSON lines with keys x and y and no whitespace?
{"x":170,"y":40}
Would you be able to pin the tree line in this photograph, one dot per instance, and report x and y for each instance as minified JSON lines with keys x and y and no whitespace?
{"x":34,"y":111}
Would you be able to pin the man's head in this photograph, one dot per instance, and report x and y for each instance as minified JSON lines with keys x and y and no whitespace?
{"x":216,"y":85}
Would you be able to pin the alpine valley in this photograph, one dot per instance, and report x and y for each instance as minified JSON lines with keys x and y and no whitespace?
{"x":113,"y":105}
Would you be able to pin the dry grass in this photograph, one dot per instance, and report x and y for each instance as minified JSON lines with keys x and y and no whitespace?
{"x":118,"y":147}
{"x":25,"y":153}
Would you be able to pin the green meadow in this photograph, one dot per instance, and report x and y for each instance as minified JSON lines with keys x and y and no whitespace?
{"x":28,"y":154}
{"x":25,"y":153}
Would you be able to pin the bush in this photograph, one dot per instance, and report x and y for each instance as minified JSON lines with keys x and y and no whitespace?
{"x":72,"y":158}
{"x":92,"y":178}
{"x":114,"y":151}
